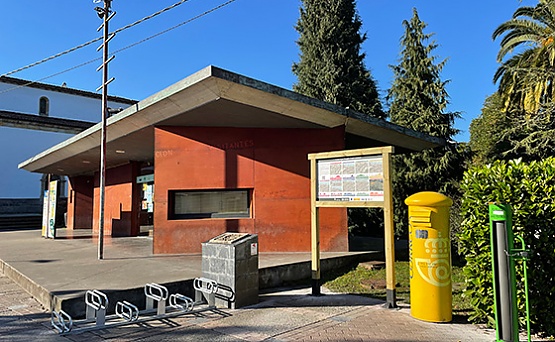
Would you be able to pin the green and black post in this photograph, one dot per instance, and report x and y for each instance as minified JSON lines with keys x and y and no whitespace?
{"x":504,"y":284}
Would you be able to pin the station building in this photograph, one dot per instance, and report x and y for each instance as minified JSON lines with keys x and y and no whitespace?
{"x":216,"y":152}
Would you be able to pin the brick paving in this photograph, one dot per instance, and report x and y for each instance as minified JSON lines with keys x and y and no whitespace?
{"x":287,"y":316}
{"x":22,"y":318}
{"x":283,"y":316}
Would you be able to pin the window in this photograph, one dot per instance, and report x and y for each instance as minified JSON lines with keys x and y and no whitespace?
{"x":209,"y":204}
{"x":44,"y":106}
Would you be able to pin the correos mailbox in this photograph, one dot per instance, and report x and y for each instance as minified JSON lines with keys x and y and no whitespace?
{"x":430,"y":256}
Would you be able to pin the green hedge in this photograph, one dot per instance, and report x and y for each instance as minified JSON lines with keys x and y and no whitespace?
{"x":530,"y":190}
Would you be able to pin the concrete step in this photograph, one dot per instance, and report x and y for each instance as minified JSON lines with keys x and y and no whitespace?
{"x":20,"y":221}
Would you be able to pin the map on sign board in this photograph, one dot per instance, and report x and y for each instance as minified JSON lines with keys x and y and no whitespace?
{"x":350,"y":179}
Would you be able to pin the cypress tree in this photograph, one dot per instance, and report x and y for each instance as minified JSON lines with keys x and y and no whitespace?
{"x":331,"y":67}
{"x":418,"y":100}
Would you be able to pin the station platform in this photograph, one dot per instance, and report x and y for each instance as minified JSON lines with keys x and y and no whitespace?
{"x":58,"y":272}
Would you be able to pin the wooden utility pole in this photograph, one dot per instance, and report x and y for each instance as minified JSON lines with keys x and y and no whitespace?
{"x":105,"y":14}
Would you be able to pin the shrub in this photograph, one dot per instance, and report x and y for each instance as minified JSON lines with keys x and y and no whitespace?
{"x":530,"y":190}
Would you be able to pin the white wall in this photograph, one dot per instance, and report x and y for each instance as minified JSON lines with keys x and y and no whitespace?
{"x":62,"y":105}
{"x":18,"y":145}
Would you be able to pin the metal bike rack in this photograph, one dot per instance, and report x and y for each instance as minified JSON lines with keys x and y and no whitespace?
{"x":205,"y":290}
{"x":156,"y":293}
{"x":225,"y":293}
{"x":127,"y":313}
{"x":97,"y":302}
{"x":61,"y":321}
{"x":181,"y":302}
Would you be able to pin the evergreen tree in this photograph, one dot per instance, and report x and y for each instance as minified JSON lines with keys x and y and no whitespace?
{"x":504,"y":134}
{"x":418,"y":101}
{"x":489,"y":132}
{"x":331,"y":66}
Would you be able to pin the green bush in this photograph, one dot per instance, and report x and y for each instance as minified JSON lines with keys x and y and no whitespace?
{"x":530,"y":190}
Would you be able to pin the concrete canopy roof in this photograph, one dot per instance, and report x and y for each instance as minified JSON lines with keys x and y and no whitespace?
{"x":213,"y":97}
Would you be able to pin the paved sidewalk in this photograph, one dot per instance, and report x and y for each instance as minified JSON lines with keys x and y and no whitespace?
{"x":288,"y":315}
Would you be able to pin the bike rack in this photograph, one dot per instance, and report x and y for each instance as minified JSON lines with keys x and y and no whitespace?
{"x":61,"y":321}
{"x":156,"y":293}
{"x":181,"y":302}
{"x":205,"y":291}
{"x":225,"y":293}
{"x":97,"y":302}
{"x":127,"y":313}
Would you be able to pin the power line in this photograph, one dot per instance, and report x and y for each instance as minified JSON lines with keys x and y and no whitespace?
{"x":50,"y":76}
{"x":124,"y":48}
{"x":176,"y":26}
{"x":95,"y":40}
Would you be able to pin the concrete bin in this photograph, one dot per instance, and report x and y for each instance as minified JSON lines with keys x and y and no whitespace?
{"x":231,"y":259}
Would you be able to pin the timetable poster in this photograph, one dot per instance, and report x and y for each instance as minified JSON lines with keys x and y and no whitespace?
{"x":350,"y":179}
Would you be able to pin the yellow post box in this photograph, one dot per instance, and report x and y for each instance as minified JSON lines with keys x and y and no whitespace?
{"x":430,"y":256}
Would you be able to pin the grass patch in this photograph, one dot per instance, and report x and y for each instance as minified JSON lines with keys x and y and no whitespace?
{"x":363,"y":281}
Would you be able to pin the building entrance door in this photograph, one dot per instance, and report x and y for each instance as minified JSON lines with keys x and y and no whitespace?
{"x":146,"y":216}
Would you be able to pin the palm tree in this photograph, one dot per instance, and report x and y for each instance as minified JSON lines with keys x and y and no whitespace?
{"x":526,"y":78}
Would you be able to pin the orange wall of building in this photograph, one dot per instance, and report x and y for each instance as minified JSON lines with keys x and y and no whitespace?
{"x":271,"y":162}
{"x":80,"y":202}
{"x":121,"y":210}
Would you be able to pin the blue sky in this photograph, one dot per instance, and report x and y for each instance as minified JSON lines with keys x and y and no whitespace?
{"x":255,"y":38}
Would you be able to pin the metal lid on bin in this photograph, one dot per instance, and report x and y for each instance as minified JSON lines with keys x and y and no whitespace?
{"x":228,"y":238}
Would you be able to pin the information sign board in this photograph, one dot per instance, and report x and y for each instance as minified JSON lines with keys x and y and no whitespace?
{"x":350,"y":179}
{"x":52,"y":199}
{"x":353,"y":178}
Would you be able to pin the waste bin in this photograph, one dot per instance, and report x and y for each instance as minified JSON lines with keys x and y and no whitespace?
{"x":430,"y":256}
{"x":231,"y":259}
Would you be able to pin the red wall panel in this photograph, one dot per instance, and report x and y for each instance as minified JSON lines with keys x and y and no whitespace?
{"x":272,"y":162}
{"x":80,"y":202}
{"x":121,"y":208}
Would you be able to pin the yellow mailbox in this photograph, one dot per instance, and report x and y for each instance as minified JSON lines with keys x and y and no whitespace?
{"x":430,"y":256}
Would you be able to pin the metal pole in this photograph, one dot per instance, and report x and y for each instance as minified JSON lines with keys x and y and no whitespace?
{"x":105,"y":60}
{"x":503,"y":266}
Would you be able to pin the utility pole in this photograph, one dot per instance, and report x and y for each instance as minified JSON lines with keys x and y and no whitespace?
{"x":106,"y":15}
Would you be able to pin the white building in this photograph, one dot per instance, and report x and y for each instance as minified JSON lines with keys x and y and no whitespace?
{"x":34,"y":116}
